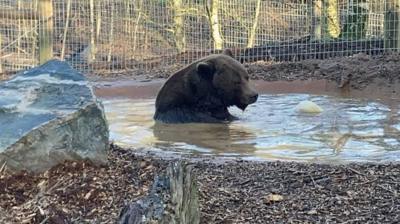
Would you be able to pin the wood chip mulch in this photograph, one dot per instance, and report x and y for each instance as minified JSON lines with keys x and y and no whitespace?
{"x":229,"y":191}
{"x":282,"y":192}
{"x":76,"y":192}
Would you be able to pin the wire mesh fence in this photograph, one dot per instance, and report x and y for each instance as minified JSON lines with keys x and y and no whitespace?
{"x":104,"y":36}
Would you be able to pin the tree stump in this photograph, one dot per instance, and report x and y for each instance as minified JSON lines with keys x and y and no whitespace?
{"x":173,"y":198}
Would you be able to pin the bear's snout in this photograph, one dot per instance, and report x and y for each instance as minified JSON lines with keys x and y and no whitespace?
{"x":253,"y":98}
{"x":249,"y":95}
{"x":250,"y":98}
{"x":247,"y":99}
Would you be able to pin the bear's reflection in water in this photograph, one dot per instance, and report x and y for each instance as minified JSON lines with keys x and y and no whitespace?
{"x":132,"y":125}
{"x":215,"y":138}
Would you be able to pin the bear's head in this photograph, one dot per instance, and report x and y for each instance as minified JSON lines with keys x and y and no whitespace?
{"x":229,"y":78}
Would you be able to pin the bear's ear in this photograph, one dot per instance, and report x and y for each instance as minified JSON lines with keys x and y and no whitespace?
{"x":228,"y":52}
{"x":205,"y":69}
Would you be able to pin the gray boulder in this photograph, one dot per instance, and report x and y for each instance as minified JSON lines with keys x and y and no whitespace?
{"x":49,"y":114}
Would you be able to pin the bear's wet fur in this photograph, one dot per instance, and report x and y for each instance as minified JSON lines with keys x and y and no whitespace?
{"x":203,"y":91}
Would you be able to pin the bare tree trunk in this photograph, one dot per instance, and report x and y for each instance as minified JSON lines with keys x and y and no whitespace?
{"x":316,"y":16}
{"x":212,"y":11}
{"x":111,"y":33}
{"x":66,"y":29}
{"x":35,"y":23}
{"x":92,"y":53}
{"x":356,"y":20}
{"x":179,"y":26}
{"x":253,"y":31}
{"x":1,"y":62}
{"x":20,"y":33}
{"x":127,"y":30}
{"x":45,"y":30}
{"x":127,"y":16}
{"x":138,"y":8}
{"x":332,"y":27}
{"x":392,"y":25}
{"x":98,"y":22}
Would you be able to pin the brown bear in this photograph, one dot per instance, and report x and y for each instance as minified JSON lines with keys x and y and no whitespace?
{"x":203,"y":91}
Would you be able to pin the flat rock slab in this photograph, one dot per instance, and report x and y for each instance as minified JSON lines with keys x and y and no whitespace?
{"x":49,"y":114}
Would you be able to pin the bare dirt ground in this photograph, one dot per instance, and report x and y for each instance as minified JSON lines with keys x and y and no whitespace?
{"x":229,"y":192}
{"x":357,"y":71}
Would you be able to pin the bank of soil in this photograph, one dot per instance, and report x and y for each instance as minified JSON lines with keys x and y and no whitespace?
{"x":356,"y":72}
{"x":231,"y":191}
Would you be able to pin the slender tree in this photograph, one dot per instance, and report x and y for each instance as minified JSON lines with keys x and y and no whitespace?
{"x":138,"y":8}
{"x":331,"y":19}
{"x":212,"y":11}
{"x":92,"y":53}
{"x":45,"y":30}
{"x":179,"y":25}
{"x":356,"y":21}
{"x":392,"y":25}
{"x":253,"y":30}
{"x":111,"y":39}
{"x":316,"y":17}
{"x":66,"y":27}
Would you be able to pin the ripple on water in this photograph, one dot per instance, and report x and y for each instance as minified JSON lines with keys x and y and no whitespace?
{"x":347,"y":130}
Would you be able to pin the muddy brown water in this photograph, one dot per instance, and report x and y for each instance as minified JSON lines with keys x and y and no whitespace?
{"x":356,"y":125}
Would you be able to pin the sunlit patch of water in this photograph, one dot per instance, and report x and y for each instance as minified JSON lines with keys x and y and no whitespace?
{"x":346,"y":130}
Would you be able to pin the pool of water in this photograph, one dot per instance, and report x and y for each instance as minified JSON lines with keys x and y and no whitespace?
{"x":347,"y":130}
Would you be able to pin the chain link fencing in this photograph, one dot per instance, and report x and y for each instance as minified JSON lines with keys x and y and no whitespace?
{"x":134,"y":36}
